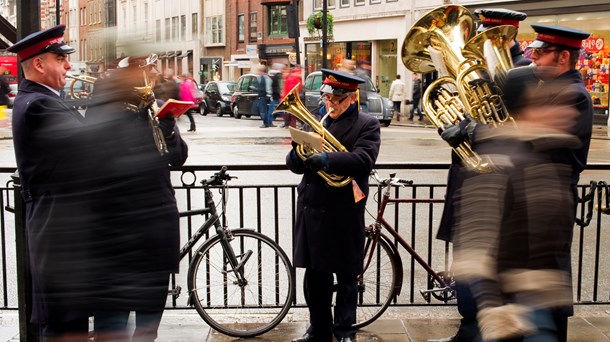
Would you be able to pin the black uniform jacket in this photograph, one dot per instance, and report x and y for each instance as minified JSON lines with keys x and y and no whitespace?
{"x":329,"y":228}
{"x":49,"y":141}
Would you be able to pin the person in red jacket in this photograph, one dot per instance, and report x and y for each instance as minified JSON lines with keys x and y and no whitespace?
{"x":293,"y":78}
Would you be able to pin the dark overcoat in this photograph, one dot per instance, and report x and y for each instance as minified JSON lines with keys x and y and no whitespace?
{"x":329,"y":227}
{"x":49,"y":141}
{"x":135,"y":213}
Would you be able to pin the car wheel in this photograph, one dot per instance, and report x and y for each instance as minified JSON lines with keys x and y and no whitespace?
{"x":203,"y":109}
{"x":218,"y":110}
{"x":236,"y":112}
{"x":386,"y":123}
{"x":248,"y":115}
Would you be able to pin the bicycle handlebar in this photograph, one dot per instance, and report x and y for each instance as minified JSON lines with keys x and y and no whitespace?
{"x":392,"y":180}
{"x":218,"y":178}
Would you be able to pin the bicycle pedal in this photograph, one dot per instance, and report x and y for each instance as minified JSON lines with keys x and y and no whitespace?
{"x":175,"y":291}
{"x":426,"y":295}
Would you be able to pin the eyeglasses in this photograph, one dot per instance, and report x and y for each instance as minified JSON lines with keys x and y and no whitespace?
{"x":332,"y":99}
{"x":542,"y":51}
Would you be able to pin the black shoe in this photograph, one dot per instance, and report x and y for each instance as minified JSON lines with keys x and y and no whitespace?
{"x":410,"y":118}
{"x":263,"y":126}
{"x":421,"y":118}
{"x":271,"y":125}
{"x":192,"y":130}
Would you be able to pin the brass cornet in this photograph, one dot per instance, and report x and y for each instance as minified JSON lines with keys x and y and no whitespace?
{"x":84,"y":79}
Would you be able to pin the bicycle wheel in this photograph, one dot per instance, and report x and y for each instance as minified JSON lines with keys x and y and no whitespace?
{"x":377,"y":285}
{"x":249,"y":308}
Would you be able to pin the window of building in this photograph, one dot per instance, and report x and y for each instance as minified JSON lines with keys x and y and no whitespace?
{"x":375,"y":1}
{"x":175,"y":25}
{"x":278,"y":22}
{"x":317,"y":4}
{"x":241,"y":29}
{"x":167,"y":29}
{"x":359,"y":2}
{"x":158,"y":30}
{"x":146,"y":19}
{"x":183,"y":27}
{"x":194,"y":25}
{"x":344,"y":3}
{"x":214,"y":29}
{"x":253,"y":26}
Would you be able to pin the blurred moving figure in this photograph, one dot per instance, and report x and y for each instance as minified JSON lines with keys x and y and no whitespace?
{"x":455,"y":135}
{"x":397,"y":94}
{"x":294,"y":77}
{"x":416,"y":94}
{"x":514,"y":236}
{"x":134,"y":216}
{"x":166,"y":86}
{"x":187,"y":93}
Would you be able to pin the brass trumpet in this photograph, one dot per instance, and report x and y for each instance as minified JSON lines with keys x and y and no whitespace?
{"x":293,"y":105}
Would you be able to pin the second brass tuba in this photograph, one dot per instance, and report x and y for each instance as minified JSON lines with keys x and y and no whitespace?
{"x":444,"y":40}
{"x":293,"y":105}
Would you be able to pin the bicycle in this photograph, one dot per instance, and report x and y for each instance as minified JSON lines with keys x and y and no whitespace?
{"x":228,"y":277}
{"x":382,"y":277}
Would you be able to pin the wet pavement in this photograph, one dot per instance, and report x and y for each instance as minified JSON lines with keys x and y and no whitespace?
{"x":413,"y":324}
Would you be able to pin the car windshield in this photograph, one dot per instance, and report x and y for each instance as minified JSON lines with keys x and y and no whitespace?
{"x":227,"y":87}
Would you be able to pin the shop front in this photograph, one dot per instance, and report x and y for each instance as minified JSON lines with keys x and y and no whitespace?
{"x":337,"y":53}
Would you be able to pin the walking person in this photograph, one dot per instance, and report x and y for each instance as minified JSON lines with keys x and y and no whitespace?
{"x":329,"y":227}
{"x":294,"y":77}
{"x":166,"y":86}
{"x":397,"y":94}
{"x":187,"y":93}
{"x":134,"y":202}
{"x":277,"y":86}
{"x":264,"y":94}
{"x":416,"y":97}
{"x":458,"y":172}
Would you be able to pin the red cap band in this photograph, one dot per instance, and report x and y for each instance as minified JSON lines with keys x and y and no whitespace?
{"x":558,"y":40}
{"x":36,"y":48}
{"x":498,"y":22}
{"x":333,"y":82}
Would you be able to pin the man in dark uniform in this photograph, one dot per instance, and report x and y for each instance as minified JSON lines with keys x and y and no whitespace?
{"x":329,"y":228}
{"x":534,"y":238}
{"x":455,"y":135}
{"x":48,"y":137}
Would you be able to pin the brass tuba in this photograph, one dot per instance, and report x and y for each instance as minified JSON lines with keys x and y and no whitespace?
{"x":293,"y":105}
{"x":444,"y":40}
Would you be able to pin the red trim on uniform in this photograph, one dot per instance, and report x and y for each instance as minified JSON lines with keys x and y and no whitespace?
{"x":498,"y":22}
{"x":36,"y":48}
{"x":558,"y":40}
{"x":333,"y":82}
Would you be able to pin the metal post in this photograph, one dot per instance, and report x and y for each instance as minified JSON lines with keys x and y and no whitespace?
{"x":28,"y":21}
{"x":297,"y":38}
{"x":324,"y":33}
{"x":28,"y":332}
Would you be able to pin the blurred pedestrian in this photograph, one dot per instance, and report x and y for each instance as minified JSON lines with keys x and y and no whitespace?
{"x":264,"y":93}
{"x":416,"y":97}
{"x":277,"y":85}
{"x":136,"y":217}
{"x":328,"y":232}
{"x":397,"y":94}
{"x":458,"y":172}
{"x":187,"y":93}
{"x":166,"y":86}
{"x":294,"y":77}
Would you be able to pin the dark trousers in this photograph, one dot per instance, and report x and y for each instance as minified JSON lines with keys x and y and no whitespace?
{"x":320,"y":293}
{"x":415,"y":107}
{"x":189,"y":113}
{"x":467,"y":307}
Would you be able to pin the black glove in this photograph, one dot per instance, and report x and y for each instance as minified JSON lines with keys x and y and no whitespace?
{"x":317,"y":161}
{"x":454,"y":135}
{"x":167,"y":125}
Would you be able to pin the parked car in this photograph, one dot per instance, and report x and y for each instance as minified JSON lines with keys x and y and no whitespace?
{"x":217,"y":97}
{"x":370,"y":100}
{"x":12,"y":94}
{"x":243,"y":98}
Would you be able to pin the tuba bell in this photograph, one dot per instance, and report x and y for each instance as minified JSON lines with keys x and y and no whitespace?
{"x":444,"y":40}
{"x":293,"y":105}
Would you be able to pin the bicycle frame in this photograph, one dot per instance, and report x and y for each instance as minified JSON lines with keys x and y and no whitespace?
{"x":376,"y":230}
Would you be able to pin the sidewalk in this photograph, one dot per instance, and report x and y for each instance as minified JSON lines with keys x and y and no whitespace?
{"x":412,"y":324}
